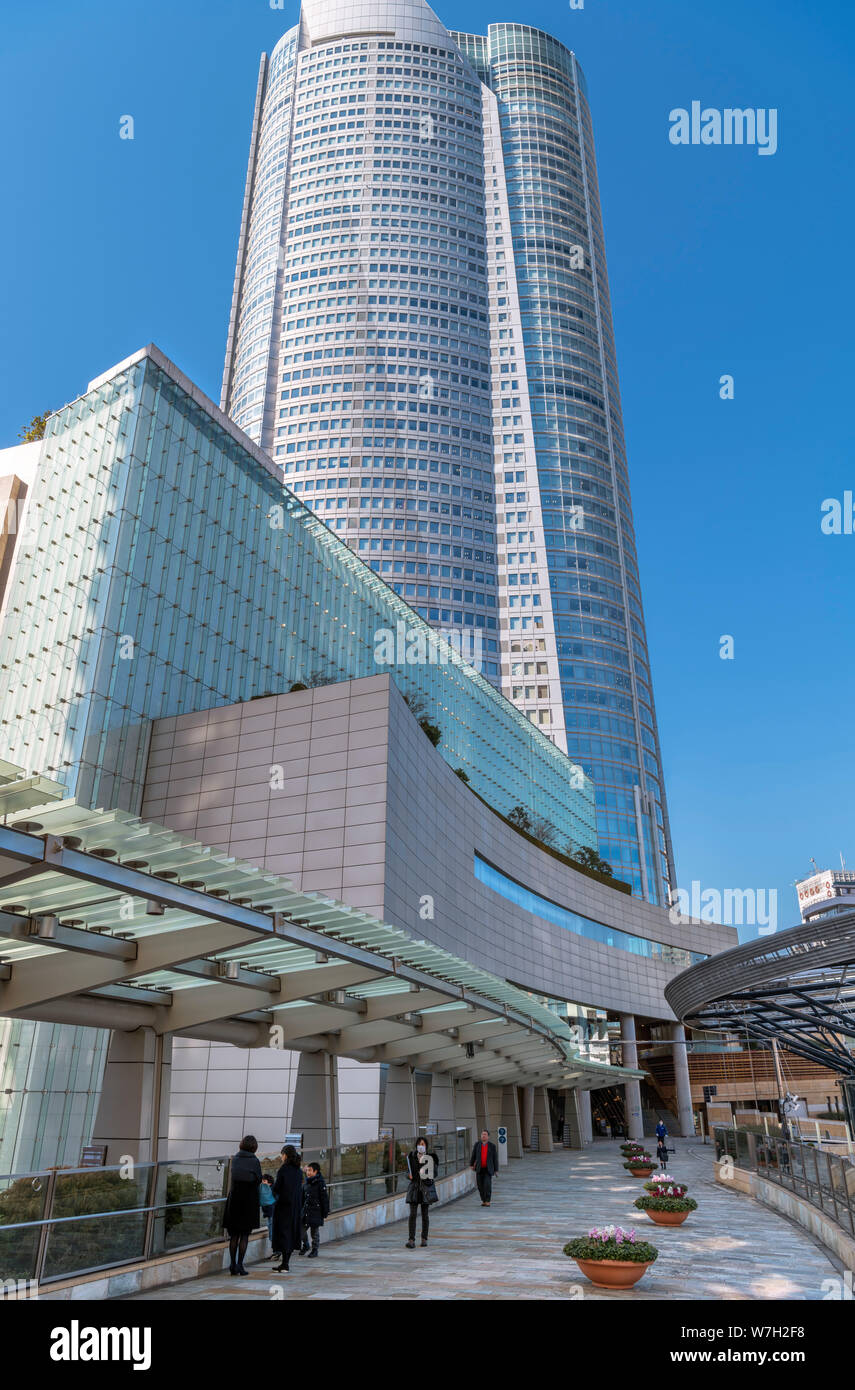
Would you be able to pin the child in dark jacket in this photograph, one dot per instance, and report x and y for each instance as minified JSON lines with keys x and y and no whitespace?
{"x":316,"y":1205}
{"x":268,"y":1202}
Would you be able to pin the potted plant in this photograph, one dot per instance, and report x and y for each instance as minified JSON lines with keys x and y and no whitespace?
{"x":641,"y":1165}
{"x":611,"y":1257}
{"x":666,"y":1204}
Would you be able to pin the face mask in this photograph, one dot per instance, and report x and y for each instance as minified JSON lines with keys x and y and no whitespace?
{"x":421,"y":1148}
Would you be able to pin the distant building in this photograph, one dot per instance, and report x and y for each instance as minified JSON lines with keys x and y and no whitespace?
{"x":826,"y":894}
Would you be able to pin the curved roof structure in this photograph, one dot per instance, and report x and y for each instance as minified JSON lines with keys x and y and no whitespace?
{"x":797,"y":986}
{"x":112,"y":921}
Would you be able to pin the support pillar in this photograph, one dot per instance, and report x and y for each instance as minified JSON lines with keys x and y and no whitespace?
{"x":510,"y":1118}
{"x":494,"y":1108}
{"x":586,"y":1116}
{"x":441,"y":1107}
{"x":315,"y":1112}
{"x":685,"y":1112}
{"x":464,"y":1107}
{"x":631,"y":1089}
{"x":527,"y":1115}
{"x":399,"y":1103}
{"x":573,"y":1119}
{"x":542,"y":1119}
{"x":482,"y":1107}
{"x":133,"y":1109}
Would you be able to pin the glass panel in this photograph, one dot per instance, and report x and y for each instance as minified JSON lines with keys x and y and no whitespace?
{"x":100,"y":1190}
{"x":74,"y":1246}
{"x":19,"y":1248}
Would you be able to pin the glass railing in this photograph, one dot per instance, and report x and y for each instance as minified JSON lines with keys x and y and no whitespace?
{"x":78,"y":1220}
{"x":824,"y":1178}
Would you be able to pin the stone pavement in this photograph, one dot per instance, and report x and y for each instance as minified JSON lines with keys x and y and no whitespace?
{"x":731,"y":1248}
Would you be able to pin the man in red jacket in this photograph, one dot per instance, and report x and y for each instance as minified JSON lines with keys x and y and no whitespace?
{"x":485,"y":1163}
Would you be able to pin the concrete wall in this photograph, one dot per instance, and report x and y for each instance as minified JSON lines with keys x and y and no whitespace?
{"x":339,"y":789}
{"x":797,"y":1208}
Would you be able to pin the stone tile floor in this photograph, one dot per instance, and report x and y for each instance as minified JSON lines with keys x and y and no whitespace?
{"x":731,"y":1248}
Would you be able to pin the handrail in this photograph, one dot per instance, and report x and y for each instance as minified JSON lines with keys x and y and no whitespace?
{"x":35,"y":1251}
{"x":822,"y":1177}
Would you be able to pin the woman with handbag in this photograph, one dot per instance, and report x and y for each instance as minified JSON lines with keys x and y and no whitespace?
{"x":241,"y":1216}
{"x":421,"y":1169}
{"x":288,"y":1212}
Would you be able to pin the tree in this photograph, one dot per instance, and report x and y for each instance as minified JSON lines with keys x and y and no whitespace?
{"x":589,"y":859}
{"x":433,"y":731}
{"x":418,"y":709}
{"x":520,"y":817}
{"x":543,"y":830}
{"x":459,"y":772}
{"x":35,"y":429}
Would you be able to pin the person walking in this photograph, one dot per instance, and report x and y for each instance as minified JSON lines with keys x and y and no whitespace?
{"x":485,"y":1164}
{"x":316,"y":1206}
{"x":268,"y":1203}
{"x":661,"y":1132}
{"x":662,"y":1153}
{"x":241,"y":1215}
{"x":422,"y":1164}
{"x":288,"y":1212}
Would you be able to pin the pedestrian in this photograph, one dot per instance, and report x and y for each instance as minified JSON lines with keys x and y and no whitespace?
{"x":485,"y":1162}
{"x":661,"y":1131}
{"x":662,"y":1153}
{"x":316,"y":1206}
{"x":422,"y":1164}
{"x":241,"y":1215}
{"x":268,"y":1203}
{"x":287,"y":1214}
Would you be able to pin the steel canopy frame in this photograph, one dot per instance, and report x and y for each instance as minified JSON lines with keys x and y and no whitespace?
{"x":797,"y":987}
{"x":112,"y":921}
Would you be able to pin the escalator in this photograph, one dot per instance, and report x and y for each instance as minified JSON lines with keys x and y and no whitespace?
{"x":608,"y":1111}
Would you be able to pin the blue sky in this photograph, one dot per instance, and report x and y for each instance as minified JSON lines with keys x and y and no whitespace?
{"x":720,"y":261}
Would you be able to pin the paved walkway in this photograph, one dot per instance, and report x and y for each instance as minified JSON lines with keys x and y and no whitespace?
{"x":730,"y":1248}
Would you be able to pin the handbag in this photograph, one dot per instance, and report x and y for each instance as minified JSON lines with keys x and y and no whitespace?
{"x":429,"y":1193}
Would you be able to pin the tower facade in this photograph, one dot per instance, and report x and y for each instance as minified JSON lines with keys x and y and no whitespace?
{"x":421,"y":337}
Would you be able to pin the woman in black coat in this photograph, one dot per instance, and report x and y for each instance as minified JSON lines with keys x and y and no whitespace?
{"x":288,"y":1212}
{"x":422,"y":1168}
{"x":242,"y":1216}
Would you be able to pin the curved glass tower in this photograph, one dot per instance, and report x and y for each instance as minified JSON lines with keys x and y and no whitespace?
{"x":421,"y":336}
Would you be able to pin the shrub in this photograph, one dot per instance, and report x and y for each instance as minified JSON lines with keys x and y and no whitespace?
{"x":654,"y":1203}
{"x":611,"y":1243}
{"x":640,"y":1161}
{"x":433,"y":731}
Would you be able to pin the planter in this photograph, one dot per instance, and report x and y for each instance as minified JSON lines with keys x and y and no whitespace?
{"x":667,"y":1218}
{"x":641,"y":1172}
{"x":614,"y":1274}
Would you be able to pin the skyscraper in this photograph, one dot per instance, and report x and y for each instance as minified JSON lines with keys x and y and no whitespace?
{"x":421,"y":337}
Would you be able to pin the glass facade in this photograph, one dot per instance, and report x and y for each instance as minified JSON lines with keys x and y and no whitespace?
{"x":568,"y":371}
{"x":421,"y":335}
{"x":564,"y":917}
{"x":166,"y":569}
{"x":360,"y":353}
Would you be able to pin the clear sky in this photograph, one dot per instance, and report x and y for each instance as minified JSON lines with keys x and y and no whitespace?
{"x":720,"y":261}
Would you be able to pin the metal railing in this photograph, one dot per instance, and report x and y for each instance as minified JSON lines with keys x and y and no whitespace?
{"x":70,"y":1221}
{"x":826,"y":1179}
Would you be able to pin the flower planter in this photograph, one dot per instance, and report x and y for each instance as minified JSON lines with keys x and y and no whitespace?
{"x":667,"y":1218}
{"x":614,"y":1274}
{"x":641,"y":1172}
